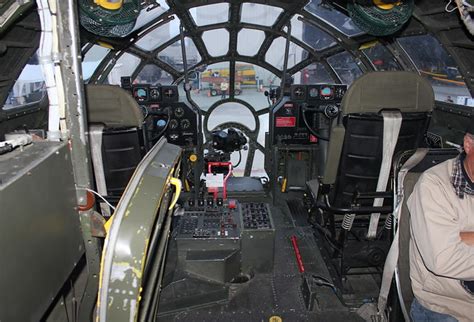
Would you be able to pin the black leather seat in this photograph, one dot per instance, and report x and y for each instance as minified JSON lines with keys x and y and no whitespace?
{"x":348,"y":186}
{"x":115,"y":124}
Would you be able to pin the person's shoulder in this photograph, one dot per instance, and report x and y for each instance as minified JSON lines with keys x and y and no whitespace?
{"x":439,"y":173}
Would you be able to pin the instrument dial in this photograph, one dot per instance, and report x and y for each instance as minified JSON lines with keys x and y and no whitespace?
{"x":185,"y":124}
{"x":140,"y":94}
{"x":313,"y":92}
{"x":155,"y":94}
{"x":179,"y":112}
{"x":173,"y":124}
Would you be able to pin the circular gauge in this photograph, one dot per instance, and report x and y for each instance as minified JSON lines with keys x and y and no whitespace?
{"x":173,"y":124}
{"x":140,"y":94}
{"x":160,"y":123}
{"x":327,"y":92}
{"x":299,"y":92}
{"x":155,"y":94}
{"x":313,"y":92}
{"x":179,"y":112}
{"x":185,"y":124}
{"x":144,"y":111}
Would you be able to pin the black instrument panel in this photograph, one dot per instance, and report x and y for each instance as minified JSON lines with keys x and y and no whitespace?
{"x":166,"y":115}
{"x":288,"y":122}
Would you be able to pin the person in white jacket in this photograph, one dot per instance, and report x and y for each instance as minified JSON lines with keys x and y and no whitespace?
{"x":442,"y":243}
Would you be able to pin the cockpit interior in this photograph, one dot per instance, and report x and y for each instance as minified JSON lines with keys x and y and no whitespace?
{"x":184,"y":160}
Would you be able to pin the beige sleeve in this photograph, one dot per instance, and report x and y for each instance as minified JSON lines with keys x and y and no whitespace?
{"x":435,"y":229}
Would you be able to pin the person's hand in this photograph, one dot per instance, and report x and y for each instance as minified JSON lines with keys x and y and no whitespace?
{"x":467,"y":237}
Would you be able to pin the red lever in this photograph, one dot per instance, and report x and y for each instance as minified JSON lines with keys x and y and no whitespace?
{"x":299,"y":259}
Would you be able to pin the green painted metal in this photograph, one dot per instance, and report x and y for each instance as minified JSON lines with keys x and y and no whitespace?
{"x":126,"y":246}
{"x":40,"y":235}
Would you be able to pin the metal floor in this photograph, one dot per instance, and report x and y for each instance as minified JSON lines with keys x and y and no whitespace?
{"x":277,"y":294}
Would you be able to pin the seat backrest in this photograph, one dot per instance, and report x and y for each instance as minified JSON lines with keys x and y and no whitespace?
{"x":356,"y":146}
{"x":121,"y":143}
{"x":433,"y":158}
{"x":112,"y":106}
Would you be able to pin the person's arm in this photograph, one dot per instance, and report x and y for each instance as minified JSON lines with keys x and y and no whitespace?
{"x":467,"y":237}
{"x":435,"y":229}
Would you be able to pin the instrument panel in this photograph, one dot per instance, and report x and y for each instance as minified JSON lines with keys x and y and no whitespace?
{"x":289,"y":127}
{"x":165,"y":114}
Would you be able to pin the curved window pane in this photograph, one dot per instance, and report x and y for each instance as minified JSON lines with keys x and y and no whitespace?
{"x":216,"y":41}
{"x":254,"y":80}
{"x":152,"y":74}
{"x":92,"y":59}
{"x":311,"y":35}
{"x":29,"y":87}
{"x":335,"y":18}
{"x":159,"y":36}
{"x":312,"y":74}
{"x":210,"y":14}
{"x":345,"y":67}
{"x":172,"y":54}
{"x":147,"y":15}
{"x":381,"y":58}
{"x":240,"y":114}
{"x":434,"y":63}
{"x":260,"y":14}
{"x":276,"y":53}
{"x":125,"y":66}
{"x":246,"y":47}
{"x":207,"y":84}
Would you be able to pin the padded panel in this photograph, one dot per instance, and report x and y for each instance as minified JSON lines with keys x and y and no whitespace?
{"x":334,"y":154}
{"x":121,"y":153}
{"x":405,"y":91}
{"x":112,"y":106}
{"x":361,"y":155}
{"x":404,"y":242}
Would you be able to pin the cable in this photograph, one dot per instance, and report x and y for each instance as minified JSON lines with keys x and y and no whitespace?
{"x":98,"y":195}
{"x":240,"y":160}
{"x":309,"y":127}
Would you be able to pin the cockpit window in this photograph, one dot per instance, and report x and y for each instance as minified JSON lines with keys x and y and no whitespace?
{"x":210,"y":14}
{"x":345,"y":67}
{"x":210,"y":84}
{"x":380,"y":57}
{"x":92,"y":59}
{"x":311,"y":74}
{"x":219,"y":47}
{"x":159,"y":36}
{"x":434,"y":63}
{"x":125,"y":66}
{"x":260,"y":14}
{"x":337,"y":19}
{"x":276,"y":53}
{"x":173,"y":56}
{"x":246,"y":47}
{"x":29,"y":88}
{"x":150,"y":13}
{"x":311,"y":35}
{"x":152,"y":74}
{"x":253,"y":80}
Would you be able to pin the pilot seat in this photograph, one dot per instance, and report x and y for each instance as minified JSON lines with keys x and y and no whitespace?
{"x":381,"y":115}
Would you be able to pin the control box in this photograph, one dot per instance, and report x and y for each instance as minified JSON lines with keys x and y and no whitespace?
{"x":216,"y":240}
{"x":289,"y":126}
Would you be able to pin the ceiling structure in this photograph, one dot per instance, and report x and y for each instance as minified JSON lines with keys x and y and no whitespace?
{"x":324,"y":19}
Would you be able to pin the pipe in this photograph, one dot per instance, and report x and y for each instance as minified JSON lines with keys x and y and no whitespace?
{"x":49,"y":45}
